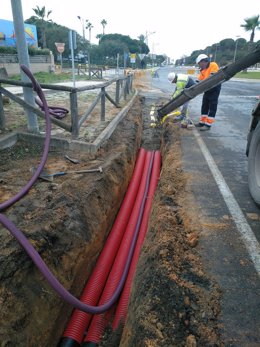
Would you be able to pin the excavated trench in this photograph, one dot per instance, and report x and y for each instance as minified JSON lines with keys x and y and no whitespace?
{"x":173,"y":302}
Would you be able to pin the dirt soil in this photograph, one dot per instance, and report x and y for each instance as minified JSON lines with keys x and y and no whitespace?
{"x":173,"y":301}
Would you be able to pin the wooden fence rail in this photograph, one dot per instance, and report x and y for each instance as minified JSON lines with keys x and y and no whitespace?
{"x":122,"y":89}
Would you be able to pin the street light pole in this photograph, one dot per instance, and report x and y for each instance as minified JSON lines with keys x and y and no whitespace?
{"x":83,"y":27}
{"x":83,"y":22}
{"x":153,"y":54}
{"x":147,"y":35}
{"x":146,"y":40}
{"x":89,"y":27}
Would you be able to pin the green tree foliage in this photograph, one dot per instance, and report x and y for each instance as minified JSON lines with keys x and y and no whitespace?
{"x":57,"y":33}
{"x":131,"y":46}
{"x":113,"y":44}
{"x":42,"y":19}
{"x":251,"y":24}
{"x":103,"y":23}
{"x":221,"y":52}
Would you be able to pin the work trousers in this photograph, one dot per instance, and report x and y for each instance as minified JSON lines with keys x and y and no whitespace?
{"x":184,"y":109}
{"x":210,"y":102}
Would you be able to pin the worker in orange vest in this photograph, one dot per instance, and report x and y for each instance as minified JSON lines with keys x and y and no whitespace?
{"x":210,"y":97}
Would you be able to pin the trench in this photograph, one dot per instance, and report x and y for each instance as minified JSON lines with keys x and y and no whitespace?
{"x":23,"y":241}
{"x":172,"y":301}
{"x":119,"y":256}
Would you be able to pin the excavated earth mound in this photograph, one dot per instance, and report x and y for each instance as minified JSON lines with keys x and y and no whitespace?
{"x":173,"y":301}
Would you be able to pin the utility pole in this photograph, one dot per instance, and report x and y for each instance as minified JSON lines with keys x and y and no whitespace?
{"x":23,"y":58}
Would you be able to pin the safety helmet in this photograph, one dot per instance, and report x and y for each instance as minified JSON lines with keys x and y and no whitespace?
{"x":171,"y":76}
{"x":201,"y":57}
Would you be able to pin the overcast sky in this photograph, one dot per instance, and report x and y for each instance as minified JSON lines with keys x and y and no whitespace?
{"x":174,"y":28}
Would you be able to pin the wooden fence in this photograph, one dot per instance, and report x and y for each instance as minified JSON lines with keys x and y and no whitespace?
{"x":123,"y":86}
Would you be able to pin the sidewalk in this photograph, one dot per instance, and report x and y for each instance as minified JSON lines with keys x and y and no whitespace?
{"x":108,"y":74}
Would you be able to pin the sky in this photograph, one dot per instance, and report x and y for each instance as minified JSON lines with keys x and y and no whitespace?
{"x":174,"y":28}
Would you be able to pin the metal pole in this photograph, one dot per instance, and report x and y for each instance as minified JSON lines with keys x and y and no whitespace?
{"x":61,"y":62}
{"x":89,"y":66}
{"x":23,"y":58}
{"x":2,"y":113}
{"x":74,"y":114}
{"x":72,"y":57}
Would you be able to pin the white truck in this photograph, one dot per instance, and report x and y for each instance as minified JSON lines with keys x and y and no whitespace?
{"x":253,"y":153}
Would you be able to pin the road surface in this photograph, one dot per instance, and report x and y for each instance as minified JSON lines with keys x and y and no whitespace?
{"x":216,"y":164}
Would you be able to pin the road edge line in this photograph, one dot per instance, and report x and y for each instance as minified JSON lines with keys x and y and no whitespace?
{"x":245,"y":231}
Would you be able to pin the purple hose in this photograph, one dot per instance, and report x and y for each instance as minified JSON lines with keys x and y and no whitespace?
{"x":56,"y":285}
{"x":27,"y":187}
{"x":34,"y":255}
{"x":56,"y":111}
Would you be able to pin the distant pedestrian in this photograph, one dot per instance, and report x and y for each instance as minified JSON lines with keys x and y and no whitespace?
{"x":210,"y":97}
{"x":154,"y":73}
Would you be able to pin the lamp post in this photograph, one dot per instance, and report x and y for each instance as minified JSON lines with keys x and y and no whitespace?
{"x":153,"y":54}
{"x":89,"y":27}
{"x":60,"y":48}
{"x":147,"y":35}
{"x":235,"y":53}
{"x":84,"y":22}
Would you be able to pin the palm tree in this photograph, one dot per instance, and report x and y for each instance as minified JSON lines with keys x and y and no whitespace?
{"x":89,"y":26}
{"x":103,"y":23}
{"x":141,"y":38}
{"x":41,"y":14}
{"x":251,"y":24}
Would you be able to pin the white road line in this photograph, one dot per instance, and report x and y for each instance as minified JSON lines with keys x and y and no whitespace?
{"x":243,"y":227}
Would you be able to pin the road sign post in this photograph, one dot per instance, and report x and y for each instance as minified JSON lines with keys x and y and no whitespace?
{"x":60,"y":48}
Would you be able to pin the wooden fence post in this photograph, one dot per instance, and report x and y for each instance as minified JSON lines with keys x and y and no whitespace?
{"x":2,"y":113}
{"x":74,"y":114}
{"x":103,"y":105}
{"x":118,"y":91}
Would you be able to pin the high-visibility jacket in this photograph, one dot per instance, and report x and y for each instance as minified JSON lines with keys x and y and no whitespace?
{"x":208,"y":71}
{"x":183,"y":81}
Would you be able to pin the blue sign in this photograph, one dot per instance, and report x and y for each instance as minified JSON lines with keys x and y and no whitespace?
{"x":7,"y":34}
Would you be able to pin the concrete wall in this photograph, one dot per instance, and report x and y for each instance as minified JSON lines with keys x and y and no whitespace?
{"x":13,"y":68}
{"x":10,"y":62}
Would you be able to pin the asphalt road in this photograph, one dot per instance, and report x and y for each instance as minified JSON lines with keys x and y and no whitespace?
{"x":216,"y":163}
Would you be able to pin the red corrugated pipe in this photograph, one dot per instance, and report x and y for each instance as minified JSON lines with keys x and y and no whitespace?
{"x":121,"y":310}
{"x":73,"y":335}
{"x":99,"y":322}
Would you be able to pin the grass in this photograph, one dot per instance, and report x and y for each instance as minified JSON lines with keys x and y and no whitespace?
{"x":46,"y":77}
{"x":255,"y":75}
